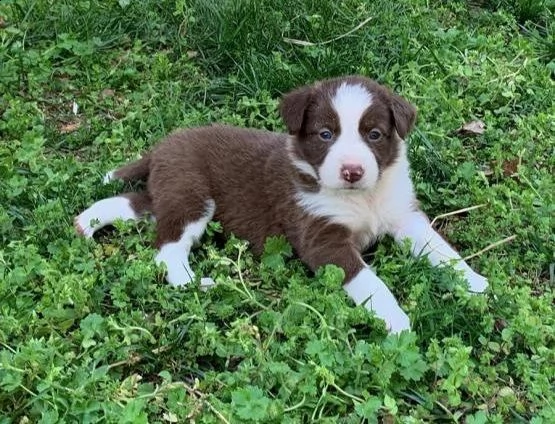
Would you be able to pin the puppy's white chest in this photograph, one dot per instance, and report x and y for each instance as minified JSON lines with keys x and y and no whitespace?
{"x":359,"y":212}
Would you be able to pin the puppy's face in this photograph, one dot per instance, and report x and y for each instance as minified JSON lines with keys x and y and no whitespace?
{"x":345,"y":131}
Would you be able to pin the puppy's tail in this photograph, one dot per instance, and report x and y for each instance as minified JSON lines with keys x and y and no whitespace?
{"x":134,"y":171}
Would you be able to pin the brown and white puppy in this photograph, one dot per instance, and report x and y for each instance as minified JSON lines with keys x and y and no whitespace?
{"x":338,"y":181}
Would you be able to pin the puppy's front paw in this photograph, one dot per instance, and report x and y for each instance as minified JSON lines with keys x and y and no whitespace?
{"x":367,"y":289}
{"x":397,"y":321}
{"x":477,"y":283}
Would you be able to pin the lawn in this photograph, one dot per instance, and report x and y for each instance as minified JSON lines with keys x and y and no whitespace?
{"x":89,"y":330}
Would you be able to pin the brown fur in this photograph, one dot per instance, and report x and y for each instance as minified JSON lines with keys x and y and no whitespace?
{"x":137,"y":170}
{"x":186,"y":172}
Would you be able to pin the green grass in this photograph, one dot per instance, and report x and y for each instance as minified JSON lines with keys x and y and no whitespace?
{"x":89,"y":331}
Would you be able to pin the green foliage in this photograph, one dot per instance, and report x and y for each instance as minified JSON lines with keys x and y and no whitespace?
{"x":524,"y":10}
{"x":89,"y":331}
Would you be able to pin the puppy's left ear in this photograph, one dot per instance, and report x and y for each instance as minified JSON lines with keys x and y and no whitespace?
{"x":293,"y":107}
{"x":404,"y":115}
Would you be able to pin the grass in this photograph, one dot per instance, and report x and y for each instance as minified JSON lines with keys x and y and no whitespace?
{"x":89,"y":331}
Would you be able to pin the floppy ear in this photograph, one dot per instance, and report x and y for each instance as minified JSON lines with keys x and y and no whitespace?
{"x":293,"y":107}
{"x":404,"y":115}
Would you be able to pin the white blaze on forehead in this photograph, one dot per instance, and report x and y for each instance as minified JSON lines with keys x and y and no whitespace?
{"x":350,"y":101}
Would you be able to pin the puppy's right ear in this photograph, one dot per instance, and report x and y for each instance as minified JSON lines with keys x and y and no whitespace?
{"x":293,"y":107}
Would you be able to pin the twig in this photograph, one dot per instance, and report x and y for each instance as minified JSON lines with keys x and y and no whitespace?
{"x":491,"y":246}
{"x":202,"y":397}
{"x":457,"y":212}
{"x":343,"y":392}
{"x":8,"y":347}
{"x":339,"y":37}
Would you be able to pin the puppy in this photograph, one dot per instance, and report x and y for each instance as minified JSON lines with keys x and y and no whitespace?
{"x":337,"y":182}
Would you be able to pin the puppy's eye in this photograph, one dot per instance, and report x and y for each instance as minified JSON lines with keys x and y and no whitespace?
{"x":374,"y":135}
{"x":326,"y":135}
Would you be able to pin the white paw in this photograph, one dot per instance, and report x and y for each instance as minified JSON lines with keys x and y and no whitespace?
{"x":82,"y":224}
{"x":398,"y":322}
{"x":478,"y":283}
{"x":179,"y":274}
{"x":184,"y":278}
{"x":108,"y":178}
{"x":367,"y":289}
{"x":178,"y":271}
{"x":395,"y":320}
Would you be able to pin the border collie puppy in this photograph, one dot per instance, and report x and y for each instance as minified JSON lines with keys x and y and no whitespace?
{"x":332,"y":186}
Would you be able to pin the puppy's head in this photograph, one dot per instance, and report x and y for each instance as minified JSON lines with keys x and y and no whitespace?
{"x":345,"y":131}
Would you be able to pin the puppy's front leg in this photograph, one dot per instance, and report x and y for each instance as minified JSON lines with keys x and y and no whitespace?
{"x":367,"y":289}
{"x":425,"y":241}
{"x":334,"y":246}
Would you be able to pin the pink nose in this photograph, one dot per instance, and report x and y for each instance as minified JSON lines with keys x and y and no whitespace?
{"x":352,"y":173}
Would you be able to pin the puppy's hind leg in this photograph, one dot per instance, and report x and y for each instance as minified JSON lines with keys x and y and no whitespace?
{"x":107,"y":211}
{"x":133,"y":171}
{"x":179,"y":228}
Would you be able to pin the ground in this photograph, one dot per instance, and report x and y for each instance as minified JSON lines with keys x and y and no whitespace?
{"x":90,"y":332}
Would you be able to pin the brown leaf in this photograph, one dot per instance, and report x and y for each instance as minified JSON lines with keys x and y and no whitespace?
{"x":3,"y":23}
{"x":500,"y":324}
{"x":107,"y":92}
{"x":388,"y":419}
{"x":70,"y":127}
{"x":472,"y":128}
{"x":170,"y":417}
{"x":510,"y":167}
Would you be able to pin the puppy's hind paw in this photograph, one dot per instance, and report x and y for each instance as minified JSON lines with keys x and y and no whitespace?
{"x":477,"y":283}
{"x":81,"y":226}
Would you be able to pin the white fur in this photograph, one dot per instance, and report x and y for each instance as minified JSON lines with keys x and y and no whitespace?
{"x":369,"y":214}
{"x":108,"y":178}
{"x":305,"y":168}
{"x":175,"y":255}
{"x":301,"y":165}
{"x":366,"y":288}
{"x":350,"y":101}
{"x":425,"y":241}
{"x":104,"y":212}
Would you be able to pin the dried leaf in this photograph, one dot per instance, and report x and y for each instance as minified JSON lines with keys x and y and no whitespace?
{"x":170,"y":417}
{"x":107,"y":92}
{"x":388,"y":419}
{"x":510,"y":167}
{"x":69,"y":128}
{"x":192,"y":54}
{"x":472,"y":128}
